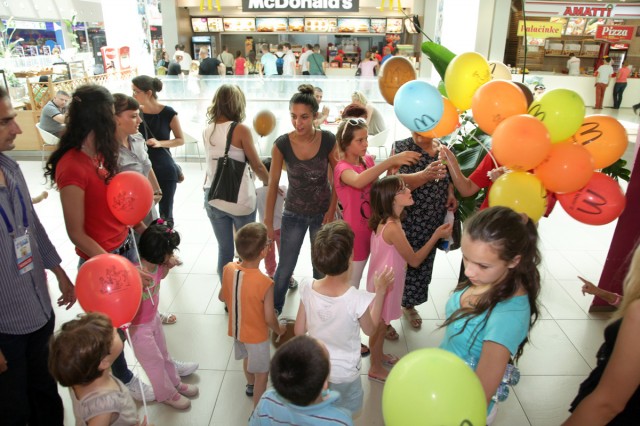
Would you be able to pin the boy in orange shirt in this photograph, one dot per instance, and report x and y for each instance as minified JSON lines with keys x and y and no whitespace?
{"x":248,"y":294}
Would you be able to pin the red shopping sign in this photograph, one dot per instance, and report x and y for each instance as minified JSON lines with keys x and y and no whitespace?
{"x":613,"y":33}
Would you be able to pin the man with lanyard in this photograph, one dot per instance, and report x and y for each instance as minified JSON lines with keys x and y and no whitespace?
{"x":54,"y":113}
{"x":227,"y":59}
{"x":28,"y":393}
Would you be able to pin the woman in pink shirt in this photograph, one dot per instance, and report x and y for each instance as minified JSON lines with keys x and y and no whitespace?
{"x":239,"y":63}
{"x":621,"y":85}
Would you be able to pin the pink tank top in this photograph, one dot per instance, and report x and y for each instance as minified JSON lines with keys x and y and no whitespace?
{"x":383,"y":254}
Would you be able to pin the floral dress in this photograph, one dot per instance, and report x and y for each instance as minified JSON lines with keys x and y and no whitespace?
{"x":420,"y":222}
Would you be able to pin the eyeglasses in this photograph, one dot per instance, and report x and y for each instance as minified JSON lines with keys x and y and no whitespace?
{"x":358,"y":122}
{"x":404,"y":189}
{"x":136,"y":91}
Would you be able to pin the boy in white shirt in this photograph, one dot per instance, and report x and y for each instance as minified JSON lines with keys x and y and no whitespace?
{"x":333,"y":311}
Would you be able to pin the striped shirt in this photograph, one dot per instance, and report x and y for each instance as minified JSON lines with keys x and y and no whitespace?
{"x":25,"y":305}
{"x":244,"y":290}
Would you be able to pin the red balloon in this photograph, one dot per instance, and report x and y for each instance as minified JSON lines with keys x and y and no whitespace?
{"x":110,"y":284}
{"x":130,"y":197}
{"x":601,"y":201}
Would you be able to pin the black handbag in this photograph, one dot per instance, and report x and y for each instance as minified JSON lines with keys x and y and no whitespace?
{"x":456,"y":233}
{"x":226,"y":181}
{"x":358,"y":72}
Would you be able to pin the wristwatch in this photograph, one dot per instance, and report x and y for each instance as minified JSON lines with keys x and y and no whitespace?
{"x":157,"y":192}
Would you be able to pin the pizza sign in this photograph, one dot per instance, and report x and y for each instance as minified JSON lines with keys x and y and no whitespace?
{"x":613,"y":33}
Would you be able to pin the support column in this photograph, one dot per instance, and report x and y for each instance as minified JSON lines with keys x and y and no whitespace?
{"x":125,"y":25}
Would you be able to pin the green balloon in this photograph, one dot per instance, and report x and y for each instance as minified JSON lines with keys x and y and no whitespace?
{"x":433,"y":387}
{"x":561,"y":111}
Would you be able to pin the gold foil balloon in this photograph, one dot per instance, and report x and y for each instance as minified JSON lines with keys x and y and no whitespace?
{"x":395,"y":72}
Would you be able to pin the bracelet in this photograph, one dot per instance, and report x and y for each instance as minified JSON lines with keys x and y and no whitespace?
{"x":157,"y":193}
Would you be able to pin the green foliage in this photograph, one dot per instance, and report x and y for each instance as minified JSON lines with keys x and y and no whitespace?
{"x":467,"y":144}
{"x":6,"y":45}
{"x":618,"y":170}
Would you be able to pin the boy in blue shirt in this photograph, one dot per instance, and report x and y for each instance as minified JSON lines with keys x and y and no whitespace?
{"x":300,"y":394}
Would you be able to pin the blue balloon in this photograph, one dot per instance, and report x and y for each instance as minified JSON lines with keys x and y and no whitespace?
{"x":418,"y":105}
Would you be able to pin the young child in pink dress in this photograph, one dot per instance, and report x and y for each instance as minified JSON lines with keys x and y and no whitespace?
{"x":157,"y":245}
{"x":390,"y":248}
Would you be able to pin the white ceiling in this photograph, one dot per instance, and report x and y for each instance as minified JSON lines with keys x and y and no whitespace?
{"x":52,"y":10}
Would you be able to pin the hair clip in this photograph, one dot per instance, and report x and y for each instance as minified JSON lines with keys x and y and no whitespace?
{"x":77,"y":98}
{"x":160,"y":221}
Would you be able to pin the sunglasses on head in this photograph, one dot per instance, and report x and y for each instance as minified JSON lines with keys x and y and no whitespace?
{"x":352,"y":121}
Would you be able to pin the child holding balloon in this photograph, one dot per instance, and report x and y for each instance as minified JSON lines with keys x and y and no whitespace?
{"x":157,"y":245}
{"x":80,"y":358}
{"x":489,"y":315}
{"x":390,"y":248}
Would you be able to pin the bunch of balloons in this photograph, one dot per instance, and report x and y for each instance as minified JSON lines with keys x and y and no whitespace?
{"x":110,"y":283}
{"x":548,"y":144}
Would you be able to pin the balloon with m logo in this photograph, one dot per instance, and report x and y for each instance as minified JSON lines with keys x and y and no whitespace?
{"x":418,"y":106}
{"x":601,"y":201}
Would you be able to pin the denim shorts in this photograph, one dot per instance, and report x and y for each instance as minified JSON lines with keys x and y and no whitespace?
{"x":351,"y":395}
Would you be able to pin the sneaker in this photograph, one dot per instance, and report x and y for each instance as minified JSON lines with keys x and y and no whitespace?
{"x":178,"y":401}
{"x":134,"y":390}
{"x":249,"y":390}
{"x":187,"y":390}
{"x":185,"y":368}
{"x":293,"y":284}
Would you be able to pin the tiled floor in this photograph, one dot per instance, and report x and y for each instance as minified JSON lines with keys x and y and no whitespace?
{"x":561,"y":352}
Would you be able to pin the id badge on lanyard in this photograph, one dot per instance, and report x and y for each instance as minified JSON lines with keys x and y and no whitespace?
{"x":21,"y":244}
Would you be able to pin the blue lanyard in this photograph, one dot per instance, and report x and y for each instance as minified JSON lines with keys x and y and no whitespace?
{"x":25,"y":221}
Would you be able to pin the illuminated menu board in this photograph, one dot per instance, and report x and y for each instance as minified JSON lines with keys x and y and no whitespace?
{"x":239,"y":24}
{"x":296,"y":25}
{"x":215,"y":25}
{"x":320,"y":25}
{"x":269,"y":25}
{"x":394,"y":25}
{"x":199,"y":25}
{"x":378,"y":25}
{"x":353,"y":25}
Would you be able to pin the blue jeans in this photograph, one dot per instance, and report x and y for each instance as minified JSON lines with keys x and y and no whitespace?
{"x":292,"y":231}
{"x":223,"y":224}
{"x":618,"y":90}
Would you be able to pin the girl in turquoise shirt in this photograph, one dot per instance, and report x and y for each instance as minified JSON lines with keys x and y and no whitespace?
{"x":490,"y":314}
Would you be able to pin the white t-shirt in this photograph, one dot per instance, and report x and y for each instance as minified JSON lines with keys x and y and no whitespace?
{"x":289,"y":63}
{"x":304,"y":60}
{"x":573,"y":64}
{"x":604,"y":72}
{"x":261,"y":196}
{"x":334,"y":321}
{"x":185,"y":65}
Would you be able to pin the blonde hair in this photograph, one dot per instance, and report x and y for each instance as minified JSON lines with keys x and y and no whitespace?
{"x":630,"y":286}
{"x":228,"y":102}
{"x":359,"y":97}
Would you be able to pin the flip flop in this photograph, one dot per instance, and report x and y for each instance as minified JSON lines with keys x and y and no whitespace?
{"x":168,"y":318}
{"x":389,"y":360}
{"x":391,"y":333}
{"x":414,"y":318}
{"x":376,"y":379}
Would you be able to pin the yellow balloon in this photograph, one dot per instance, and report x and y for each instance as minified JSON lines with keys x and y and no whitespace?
{"x":520,"y":191}
{"x":464,"y":75}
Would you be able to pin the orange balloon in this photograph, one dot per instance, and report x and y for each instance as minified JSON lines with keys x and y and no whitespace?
{"x":496,"y":100}
{"x":395,"y":72}
{"x":604,"y":137}
{"x":567,"y":169}
{"x":447,"y":124}
{"x":521,"y":142}
{"x":264,"y":122}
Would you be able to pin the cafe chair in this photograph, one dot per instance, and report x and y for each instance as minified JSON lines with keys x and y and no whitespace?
{"x":47,"y":139}
{"x":188,"y":139}
{"x":379,"y":142}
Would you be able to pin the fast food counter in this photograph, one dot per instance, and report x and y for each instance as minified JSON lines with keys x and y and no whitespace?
{"x":584,"y":85}
{"x":340,"y":72}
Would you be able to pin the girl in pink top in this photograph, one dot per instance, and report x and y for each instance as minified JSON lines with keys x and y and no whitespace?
{"x":389,"y":247}
{"x":157,"y":245}
{"x":239,"y":63}
{"x":353,"y":176}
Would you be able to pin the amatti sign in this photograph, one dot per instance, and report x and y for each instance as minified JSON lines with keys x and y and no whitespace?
{"x":300,"y":5}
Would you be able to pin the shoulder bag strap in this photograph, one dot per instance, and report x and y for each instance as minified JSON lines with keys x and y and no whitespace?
{"x":229,"y":136}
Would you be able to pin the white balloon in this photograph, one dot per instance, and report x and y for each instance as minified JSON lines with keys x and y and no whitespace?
{"x":499,"y":71}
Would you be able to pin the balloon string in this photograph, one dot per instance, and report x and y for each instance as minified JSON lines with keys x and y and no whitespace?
{"x":495,"y":163}
{"x":144,"y":400}
{"x":455,"y":136}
